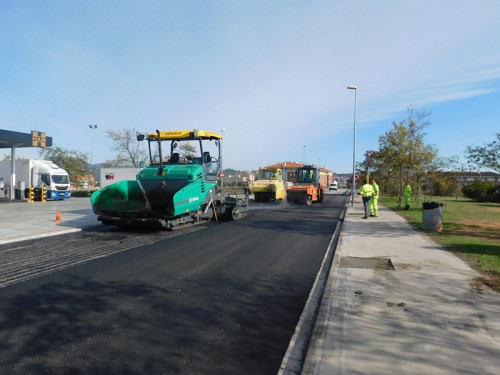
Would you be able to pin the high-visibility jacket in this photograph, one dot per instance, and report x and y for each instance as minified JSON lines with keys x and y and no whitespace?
{"x":375,"y":190}
{"x":407,"y":193}
{"x":366,"y":190}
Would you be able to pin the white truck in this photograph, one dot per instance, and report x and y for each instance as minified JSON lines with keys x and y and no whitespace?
{"x":36,"y":173}
{"x":333,"y":186}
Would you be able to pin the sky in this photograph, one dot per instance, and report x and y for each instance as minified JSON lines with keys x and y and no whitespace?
{"x":272,"y":73}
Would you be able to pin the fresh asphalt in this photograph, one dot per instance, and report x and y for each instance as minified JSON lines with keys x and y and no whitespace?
{"x":394,"y":303}
{"x":217,"y":299}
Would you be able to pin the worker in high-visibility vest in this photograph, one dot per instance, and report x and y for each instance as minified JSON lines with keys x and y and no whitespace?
{"x":366,"y":194}
{"x":407,"y":196}
{"x":374,"y":200}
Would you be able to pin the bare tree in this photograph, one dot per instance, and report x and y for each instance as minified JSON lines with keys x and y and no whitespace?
{"x":485,"y":156}
{"x":130,"y":152}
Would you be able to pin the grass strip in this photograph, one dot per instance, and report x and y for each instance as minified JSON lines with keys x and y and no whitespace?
{"x":470,"y":229}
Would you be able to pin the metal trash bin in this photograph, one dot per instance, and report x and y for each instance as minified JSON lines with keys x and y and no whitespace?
{"x":432,"y":216}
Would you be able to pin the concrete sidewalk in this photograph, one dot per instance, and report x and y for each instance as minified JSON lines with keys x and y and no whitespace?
{"x":21,"y":220}
{"x":422,"y":317}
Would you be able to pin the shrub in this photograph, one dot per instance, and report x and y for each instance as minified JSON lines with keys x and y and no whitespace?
{"x":493,"y":194}
{"x":81,"y":193}
{"x":482,"y":191}
{"x":442,"y":187}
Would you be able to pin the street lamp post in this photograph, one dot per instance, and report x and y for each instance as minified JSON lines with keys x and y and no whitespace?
{"x":92,"y":127}
{"x":354,"y":147}
{"x":221,"y":154}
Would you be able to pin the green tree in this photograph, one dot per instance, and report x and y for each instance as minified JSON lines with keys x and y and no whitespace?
{"x":73,"y":162}
{"x":448,"y":169}
{"x":382,"y":173}
{"x":130,"y":152}
{"x":402,"y":152}
{"x":485,"y":156}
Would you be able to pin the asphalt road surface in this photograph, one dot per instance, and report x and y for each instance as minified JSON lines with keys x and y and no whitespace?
{"x":209,"y":299}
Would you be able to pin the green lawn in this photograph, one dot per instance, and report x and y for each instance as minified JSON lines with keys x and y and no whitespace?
{"x":470,"y":229}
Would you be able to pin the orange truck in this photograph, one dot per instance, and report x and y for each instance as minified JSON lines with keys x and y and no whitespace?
{"x":308,"y":188}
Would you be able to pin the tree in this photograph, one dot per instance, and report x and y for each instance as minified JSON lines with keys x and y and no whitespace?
{"x":402,"y":152}
{"x":73,"y":162}
{"x":449,"y":172}
{"x":187,"y":150}
{"x":130,"y":151}
{"x":485,"y":156}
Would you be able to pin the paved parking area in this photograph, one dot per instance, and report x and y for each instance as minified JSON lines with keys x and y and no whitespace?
{"x":20,"y":220}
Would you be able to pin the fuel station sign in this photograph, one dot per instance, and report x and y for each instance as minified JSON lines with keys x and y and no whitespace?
{"x":38,"y":139}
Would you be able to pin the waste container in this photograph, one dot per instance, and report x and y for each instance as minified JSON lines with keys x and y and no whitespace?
{"x":432,"y":216}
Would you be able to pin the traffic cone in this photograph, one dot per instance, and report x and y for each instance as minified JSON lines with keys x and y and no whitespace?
{"x":58,"y":217}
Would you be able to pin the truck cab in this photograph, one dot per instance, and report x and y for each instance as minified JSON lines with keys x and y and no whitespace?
{"x":55,"y":179}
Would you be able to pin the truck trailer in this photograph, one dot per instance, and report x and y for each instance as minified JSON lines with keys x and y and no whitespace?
{"x":109,"y":176}
{"x":36,"y":173}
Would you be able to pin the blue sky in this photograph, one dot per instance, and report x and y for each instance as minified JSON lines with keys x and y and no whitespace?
{"x":274,"y":74}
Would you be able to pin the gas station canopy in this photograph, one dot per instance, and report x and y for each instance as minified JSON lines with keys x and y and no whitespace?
{"x":11,"y":139}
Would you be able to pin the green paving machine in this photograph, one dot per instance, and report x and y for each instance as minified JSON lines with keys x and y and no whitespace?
{"x":177,"y":187}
